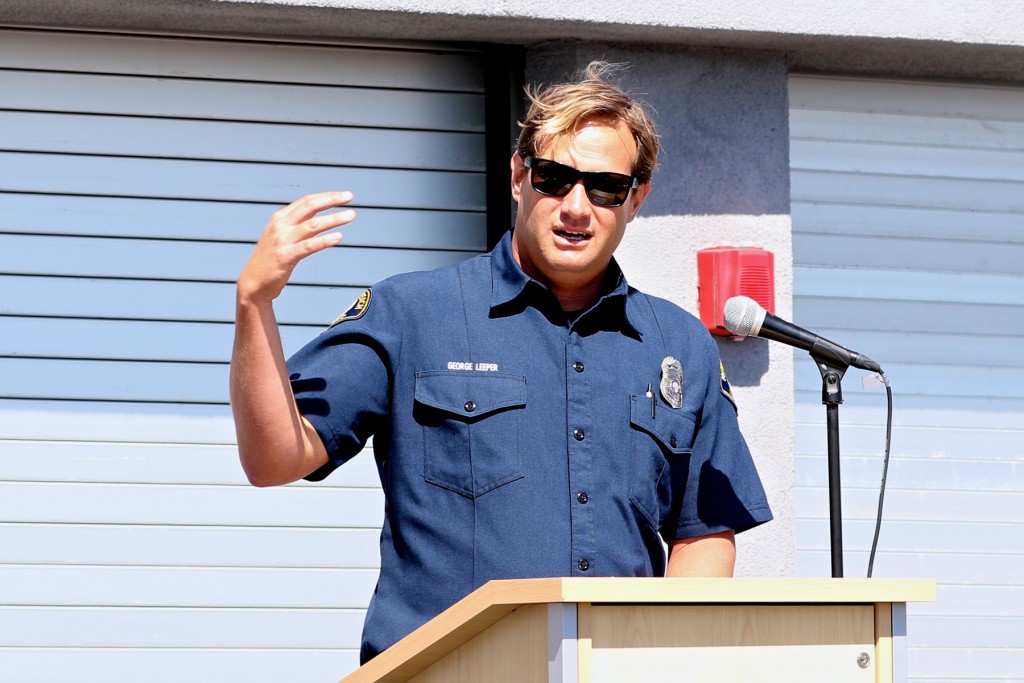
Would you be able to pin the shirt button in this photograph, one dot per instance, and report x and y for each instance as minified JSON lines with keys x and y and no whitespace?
{"x":582,"y":498}
{"x":578,"y":434}
{"x":583,"y":565}
{"x":470,"y":406}
{"x":577,"y":366}
{"x":673,"y":442}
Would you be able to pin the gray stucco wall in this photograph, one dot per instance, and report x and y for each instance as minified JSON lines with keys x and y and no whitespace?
{"x":979,"y":39}
{"x":723,"y":180}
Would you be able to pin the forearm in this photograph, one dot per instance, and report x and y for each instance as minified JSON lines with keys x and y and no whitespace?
{"x":712,"y":555}
{"x":275,"y":444}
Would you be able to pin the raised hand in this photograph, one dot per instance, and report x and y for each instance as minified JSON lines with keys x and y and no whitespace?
{"x":293,"y":233}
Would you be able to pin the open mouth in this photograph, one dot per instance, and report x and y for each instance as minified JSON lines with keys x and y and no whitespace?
{"x":573,"y":236}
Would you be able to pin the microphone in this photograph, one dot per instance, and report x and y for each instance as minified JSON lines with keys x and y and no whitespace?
{"x":746,"y":318}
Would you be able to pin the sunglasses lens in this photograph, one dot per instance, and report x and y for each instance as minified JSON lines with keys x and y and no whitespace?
{"x":552,"y":178}
{"x":556,"y":180}
{"x":609,"y":189}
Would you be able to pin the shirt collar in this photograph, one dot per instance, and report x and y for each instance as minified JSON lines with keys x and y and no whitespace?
{"x":508,"y":280}
{"x":509,"y":283}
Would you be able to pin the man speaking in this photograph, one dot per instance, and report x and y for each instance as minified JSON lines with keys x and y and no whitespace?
{"x":532,"y":414}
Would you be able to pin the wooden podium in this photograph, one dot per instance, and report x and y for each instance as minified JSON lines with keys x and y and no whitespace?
{"x":612,"y":629}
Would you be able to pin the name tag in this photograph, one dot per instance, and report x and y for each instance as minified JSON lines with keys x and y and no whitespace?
{"x":476,"y":367}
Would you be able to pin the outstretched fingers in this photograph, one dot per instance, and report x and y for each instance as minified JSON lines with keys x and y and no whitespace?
{"x":293,"y":233}
{"x":302,"y":219}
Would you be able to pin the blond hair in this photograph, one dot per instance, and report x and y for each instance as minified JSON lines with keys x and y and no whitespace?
{"x":565,"y":107}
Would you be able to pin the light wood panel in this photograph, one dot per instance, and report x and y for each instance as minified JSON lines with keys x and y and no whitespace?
{"x":514,"y":650}
{"x":847,"y":624}
{"x":883,"y":642}
{"x":760,"y":642}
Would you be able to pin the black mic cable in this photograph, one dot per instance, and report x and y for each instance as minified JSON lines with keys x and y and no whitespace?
{"x":885,"y":471}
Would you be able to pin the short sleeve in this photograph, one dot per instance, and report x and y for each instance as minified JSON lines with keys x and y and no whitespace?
{"x":340,"y":379}
{"x":723,"y":489}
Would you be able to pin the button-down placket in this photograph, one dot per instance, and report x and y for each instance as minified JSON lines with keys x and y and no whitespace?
{"x":579,"y":435}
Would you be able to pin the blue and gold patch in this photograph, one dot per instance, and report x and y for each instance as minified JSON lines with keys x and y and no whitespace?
{"x":356,"y":311}
{"x":726,"y":389}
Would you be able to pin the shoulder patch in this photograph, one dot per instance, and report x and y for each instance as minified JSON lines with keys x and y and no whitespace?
{"x":356,"y":311}
{"x":726,"y":389}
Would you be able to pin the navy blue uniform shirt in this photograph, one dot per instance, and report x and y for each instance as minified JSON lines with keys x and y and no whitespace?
{"x":515,"y":441}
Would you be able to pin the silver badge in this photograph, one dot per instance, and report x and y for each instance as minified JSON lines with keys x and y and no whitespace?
{"x":672,"y":382}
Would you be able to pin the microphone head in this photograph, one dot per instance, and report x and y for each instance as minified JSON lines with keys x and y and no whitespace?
{"x":744,"y":316}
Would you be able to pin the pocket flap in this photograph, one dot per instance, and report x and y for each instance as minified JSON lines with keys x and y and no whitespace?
{"x":469,"y":394}
{"x":673,"y":429}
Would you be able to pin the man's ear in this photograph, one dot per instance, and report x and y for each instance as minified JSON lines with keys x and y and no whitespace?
{"x":637,"y":198}
{"x":519,"y":172}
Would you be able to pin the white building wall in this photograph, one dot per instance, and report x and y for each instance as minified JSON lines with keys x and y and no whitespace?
{"x":908,"y":219}
{"x":135,"y":177}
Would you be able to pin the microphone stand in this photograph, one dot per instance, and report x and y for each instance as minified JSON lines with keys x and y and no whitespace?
{"x":832,"y":368}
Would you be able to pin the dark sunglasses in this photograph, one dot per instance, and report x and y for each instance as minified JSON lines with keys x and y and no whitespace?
{"x":556,"y":180}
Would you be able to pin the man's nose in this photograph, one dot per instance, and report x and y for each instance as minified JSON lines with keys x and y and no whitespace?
{"x":576,"y":202}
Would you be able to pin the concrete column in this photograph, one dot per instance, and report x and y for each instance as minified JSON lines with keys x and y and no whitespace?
{"x":723,"y":179}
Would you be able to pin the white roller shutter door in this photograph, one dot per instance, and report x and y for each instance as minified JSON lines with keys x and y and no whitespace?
{"x":135,"y":176}
{"x":908,"y":219}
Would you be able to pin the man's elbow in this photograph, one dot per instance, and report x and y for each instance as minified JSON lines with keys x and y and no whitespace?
{"x":262,"y":481}
{"x":262,"y":476}
{"x":273,"y":462}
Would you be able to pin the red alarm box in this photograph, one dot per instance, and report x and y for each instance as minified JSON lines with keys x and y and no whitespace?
{"x":725,"y":272}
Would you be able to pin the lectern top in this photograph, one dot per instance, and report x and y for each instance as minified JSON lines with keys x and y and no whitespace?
{"x":497,"y":599}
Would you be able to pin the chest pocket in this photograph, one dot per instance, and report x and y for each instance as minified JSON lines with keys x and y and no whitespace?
{"x":661,"y":448}
{"x":472,"y":429}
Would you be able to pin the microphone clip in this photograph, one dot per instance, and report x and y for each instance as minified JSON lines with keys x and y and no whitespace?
{"x":832,"y":362}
